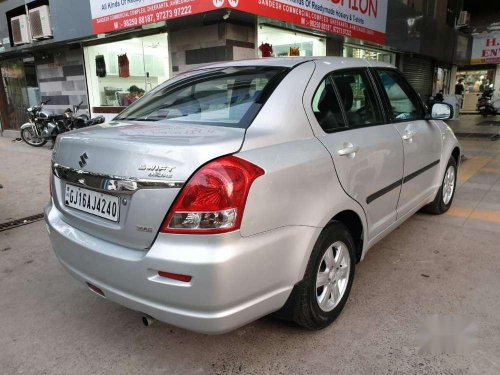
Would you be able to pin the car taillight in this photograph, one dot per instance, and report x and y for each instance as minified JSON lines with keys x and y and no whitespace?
{"x":214,"y":198}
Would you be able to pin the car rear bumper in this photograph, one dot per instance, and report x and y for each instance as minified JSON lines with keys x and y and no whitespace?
{"x":235,"y":280}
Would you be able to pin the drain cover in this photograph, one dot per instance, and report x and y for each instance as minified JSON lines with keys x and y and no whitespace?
{"x":20,"y":222}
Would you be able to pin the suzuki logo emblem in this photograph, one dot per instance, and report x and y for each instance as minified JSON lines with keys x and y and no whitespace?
{"x":83,"y":160}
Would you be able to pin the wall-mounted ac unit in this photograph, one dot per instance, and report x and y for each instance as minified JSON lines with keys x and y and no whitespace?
{"x":20,"y":30}
{"x":41,"y":27}
{"x":463,"y":20}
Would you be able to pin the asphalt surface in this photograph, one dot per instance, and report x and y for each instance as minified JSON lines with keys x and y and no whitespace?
{"x":447,"y":267}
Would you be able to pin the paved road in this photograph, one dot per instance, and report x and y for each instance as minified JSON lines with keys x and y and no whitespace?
{"x":445,"y":266}
{"x":24,"y":174}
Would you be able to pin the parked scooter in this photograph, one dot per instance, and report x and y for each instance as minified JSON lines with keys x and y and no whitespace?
{"x":487,"y":103}
{"x":44,"y":126}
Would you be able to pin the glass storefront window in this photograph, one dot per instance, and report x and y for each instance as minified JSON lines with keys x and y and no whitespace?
{"x":369,"y":54}
{"x":275,"y":42}
{"x":441,"y":80}
{"x":476,"y":80}
{"x":119,"y":73}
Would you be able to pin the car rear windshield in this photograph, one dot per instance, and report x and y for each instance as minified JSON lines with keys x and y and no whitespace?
{"x":224,"y":97}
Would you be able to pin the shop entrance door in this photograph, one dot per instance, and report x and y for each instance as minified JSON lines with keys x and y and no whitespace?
{"x":21,"y":91}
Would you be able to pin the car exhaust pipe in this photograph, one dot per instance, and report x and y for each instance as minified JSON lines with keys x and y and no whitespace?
{"x":148,"y":320}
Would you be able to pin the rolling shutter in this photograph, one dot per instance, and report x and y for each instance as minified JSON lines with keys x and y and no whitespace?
{"x":420,"y":73}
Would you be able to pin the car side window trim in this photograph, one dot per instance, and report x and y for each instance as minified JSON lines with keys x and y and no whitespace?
{"x":386,"y":104}
{"x":412,"y":96}
{"x":328,"y":78}
{"x":380,"y":99}
{"x":339,"y":99}
{"x":362,"y":71}
{"x":372,"y":84}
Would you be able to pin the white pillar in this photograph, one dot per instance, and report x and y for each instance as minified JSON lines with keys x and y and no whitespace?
{"x":497,"y":79}
{"x":453,"y":80}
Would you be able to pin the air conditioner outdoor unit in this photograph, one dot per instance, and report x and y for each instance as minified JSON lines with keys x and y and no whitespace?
{"x":464,"y":19}
{"x":41,"y":27}
{"x":20,"y":30}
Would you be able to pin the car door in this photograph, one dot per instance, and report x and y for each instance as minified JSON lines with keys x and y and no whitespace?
{"x":421,"y":139}
{"x":366,"y":151}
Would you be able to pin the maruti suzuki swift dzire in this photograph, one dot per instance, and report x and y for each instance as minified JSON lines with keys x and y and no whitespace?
{"x":247,"y":188}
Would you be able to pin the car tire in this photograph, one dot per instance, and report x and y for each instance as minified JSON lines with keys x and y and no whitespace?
{"x":305,"y":303}
{"x":444,"y":197}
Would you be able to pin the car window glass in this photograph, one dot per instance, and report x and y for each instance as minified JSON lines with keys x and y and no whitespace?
{"x":404,"y":102}
{"x":226,"y":97}
{"x":326,"y":107}
{"x":358,"y":98}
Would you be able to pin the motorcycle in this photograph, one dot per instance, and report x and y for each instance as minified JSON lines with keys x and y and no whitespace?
{"x":487,"y":103}
{"x":44,"y":126}
{"x":31,"y":132}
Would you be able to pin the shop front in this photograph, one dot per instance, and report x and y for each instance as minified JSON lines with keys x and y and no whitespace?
{"x":483,"y":70}
{"x":119,"y":72}
{"x":351,"y":49}
{"x":474,"y":80}
{"x":121,"y":69}
{"x":19,"y":80}
{"x":279,"y":42}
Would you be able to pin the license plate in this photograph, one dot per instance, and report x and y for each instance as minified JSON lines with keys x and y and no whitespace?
{"x":93,"y":202}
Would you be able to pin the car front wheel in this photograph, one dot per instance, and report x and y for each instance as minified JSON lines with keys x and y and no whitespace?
{"x":320,"y":297}
{"x":446,"y":193}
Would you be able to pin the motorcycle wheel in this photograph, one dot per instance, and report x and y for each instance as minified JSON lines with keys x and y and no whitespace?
{"x":31,"y":138}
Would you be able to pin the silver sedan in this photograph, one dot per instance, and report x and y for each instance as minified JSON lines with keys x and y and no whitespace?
{"x":247,"y":188}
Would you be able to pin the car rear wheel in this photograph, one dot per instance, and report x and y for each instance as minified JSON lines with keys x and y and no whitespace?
{"x":444,"y":197}
{"x":320,"y":297}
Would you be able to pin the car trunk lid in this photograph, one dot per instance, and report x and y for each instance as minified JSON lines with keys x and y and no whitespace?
{"x":143,"y":164}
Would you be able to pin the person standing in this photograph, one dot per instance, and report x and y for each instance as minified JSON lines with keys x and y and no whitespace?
{"x":459,"y":87}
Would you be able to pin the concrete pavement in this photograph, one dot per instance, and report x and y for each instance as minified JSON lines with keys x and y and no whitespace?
{"x":24,"y":174}
{"x":432,"y":265}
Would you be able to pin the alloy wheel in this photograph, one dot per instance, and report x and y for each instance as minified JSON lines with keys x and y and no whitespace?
{"x":449,"y":185}
{"x":333,"y":276}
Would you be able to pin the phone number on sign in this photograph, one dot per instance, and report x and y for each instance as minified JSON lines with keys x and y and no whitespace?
{"x":158,"y":16}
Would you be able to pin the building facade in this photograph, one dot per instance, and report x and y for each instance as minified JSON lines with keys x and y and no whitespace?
{"x":481,"y":68}
{"x":106,"y":53}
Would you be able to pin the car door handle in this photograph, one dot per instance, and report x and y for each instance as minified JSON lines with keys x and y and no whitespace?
{"x":347,"y":150}
{"x":408,"y":135}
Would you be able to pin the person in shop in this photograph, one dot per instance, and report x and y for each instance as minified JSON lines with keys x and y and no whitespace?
{"x":132,"y":96}
{"x":459,"y":87}
{"x":140,"y":94}
{"x":484,"y":85}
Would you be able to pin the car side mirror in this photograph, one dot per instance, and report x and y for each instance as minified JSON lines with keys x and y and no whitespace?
{"x":442,"y":111}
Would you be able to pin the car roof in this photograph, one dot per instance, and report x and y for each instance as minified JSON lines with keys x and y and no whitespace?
{"x":291,"y":62}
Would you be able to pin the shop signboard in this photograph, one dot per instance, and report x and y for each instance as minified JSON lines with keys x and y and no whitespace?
{"x":114,"y":15}
{"x":486,"y":49}
{"x":360,"y":19}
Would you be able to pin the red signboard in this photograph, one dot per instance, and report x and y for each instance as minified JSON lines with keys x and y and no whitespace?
{"x":361,"y":19}
{"x":123,"y":14}
{"x":350,"y":18}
